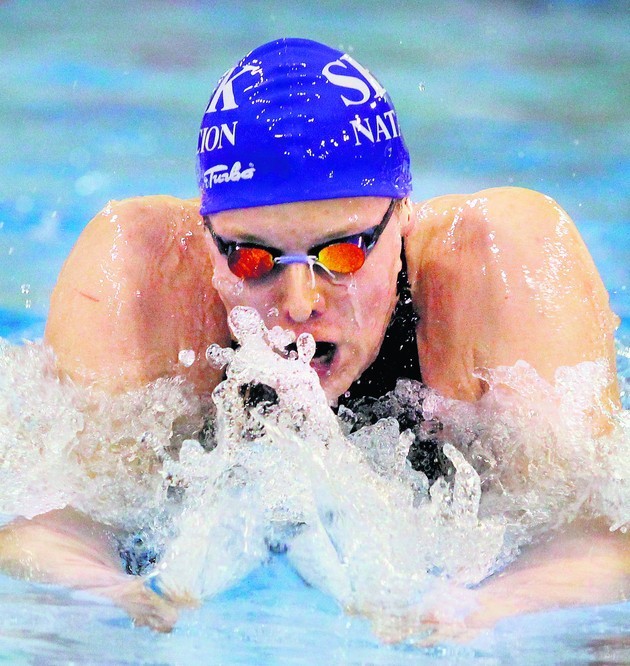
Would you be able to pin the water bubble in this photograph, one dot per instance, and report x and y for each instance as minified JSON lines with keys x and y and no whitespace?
{"x":28,"y":303}
{"x":217,"y":356}
{"x":186,"y":357}
{"x":26,"y":288}
{"x":11,"y":251}
{"x":245,"y":323}
{"x":273,"y":312}
{"x":421,"y":87}
{"x":281,"y":338}
{"x":306,"y":347}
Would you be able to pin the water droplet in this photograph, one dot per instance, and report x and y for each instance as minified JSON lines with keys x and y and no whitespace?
{"x":238,"y":287}
{"x":306,"y":347}
{"x":186,"y":357}
{"x":26,"y":288}
{"x":217,"y":356}
{"x":421,"y":87}
{"x":27,"y":303}
{"x":281,"y":338}
{"x":245,"y":323}
{"x":352,"y":286}
{"x":273,"y":312}
{"x":11,"y":250}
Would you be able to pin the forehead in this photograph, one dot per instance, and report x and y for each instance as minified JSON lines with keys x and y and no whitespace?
{"x":303,"y":223}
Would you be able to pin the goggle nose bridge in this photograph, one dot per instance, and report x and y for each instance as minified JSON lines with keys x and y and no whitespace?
{"x":310,"y":260}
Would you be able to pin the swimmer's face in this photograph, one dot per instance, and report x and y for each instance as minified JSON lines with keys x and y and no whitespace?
{"x":347,"y":316}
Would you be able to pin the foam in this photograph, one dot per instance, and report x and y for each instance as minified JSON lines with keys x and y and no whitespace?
{"x":278,"y":470}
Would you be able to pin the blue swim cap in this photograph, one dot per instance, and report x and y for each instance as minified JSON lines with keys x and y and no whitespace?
{"x":298,"y":121}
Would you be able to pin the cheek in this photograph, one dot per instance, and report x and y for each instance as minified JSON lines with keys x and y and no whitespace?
{"x":376,"y":289}
{"x":234,"y":291}
{"x":374,"y":300}
{"x":367,"y":311}
{"x":229,"y":287}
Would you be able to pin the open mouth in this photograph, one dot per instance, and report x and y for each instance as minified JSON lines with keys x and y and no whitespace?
{"x":324,"y":352}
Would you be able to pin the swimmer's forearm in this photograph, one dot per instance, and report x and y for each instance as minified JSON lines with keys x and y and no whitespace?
{"x":66,"y":548}
{"x":575,"y":569}
{"x":60,"y":547}
{"x":570,"y":571}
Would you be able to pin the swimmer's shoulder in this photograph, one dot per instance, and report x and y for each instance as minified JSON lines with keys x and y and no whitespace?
{"x":499,"y":276}
{"x":506,"y":207}
{"x":516,"y":220}
{"x":136,"y":290}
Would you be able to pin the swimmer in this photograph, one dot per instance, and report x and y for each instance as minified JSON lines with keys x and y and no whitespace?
{"x":305,"y":215}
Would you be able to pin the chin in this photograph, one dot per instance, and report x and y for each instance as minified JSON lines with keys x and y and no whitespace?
{"x":334,"y":387}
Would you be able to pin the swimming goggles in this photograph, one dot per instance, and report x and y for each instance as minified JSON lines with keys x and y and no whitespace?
{"x":342,"y":255}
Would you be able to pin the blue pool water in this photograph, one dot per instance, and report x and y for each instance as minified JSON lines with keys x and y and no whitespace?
{"x":102,"y":100}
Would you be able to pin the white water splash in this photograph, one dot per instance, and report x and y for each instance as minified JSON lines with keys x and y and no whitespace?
{"x":353,"y":516}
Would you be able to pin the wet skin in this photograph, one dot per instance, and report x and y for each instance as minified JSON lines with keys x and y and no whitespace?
{"x":496,"y":277}
{"x":494,"y":282}
{"x":350,"y":311}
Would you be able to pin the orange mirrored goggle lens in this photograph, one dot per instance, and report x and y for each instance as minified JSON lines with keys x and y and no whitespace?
{"x":342,"y":257}
{"x":250,"y":262}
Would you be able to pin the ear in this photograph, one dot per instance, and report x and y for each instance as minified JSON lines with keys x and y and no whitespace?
{"x":405,"y":216}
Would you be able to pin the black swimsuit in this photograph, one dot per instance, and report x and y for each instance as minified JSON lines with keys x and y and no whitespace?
{"x":370,"y":397}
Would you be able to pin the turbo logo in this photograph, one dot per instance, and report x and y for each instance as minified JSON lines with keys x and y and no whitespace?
{"x":220,"y":173}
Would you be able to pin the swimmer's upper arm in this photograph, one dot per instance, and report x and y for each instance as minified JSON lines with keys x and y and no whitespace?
{"x":134,"y":291}
{"x":500,"y":276}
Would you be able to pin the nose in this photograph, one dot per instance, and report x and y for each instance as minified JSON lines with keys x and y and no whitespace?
{"x":301,"y":299}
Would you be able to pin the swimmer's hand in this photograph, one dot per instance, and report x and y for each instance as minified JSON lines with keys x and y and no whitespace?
{"x":581,"y":567}
{"x":66,"y":548}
